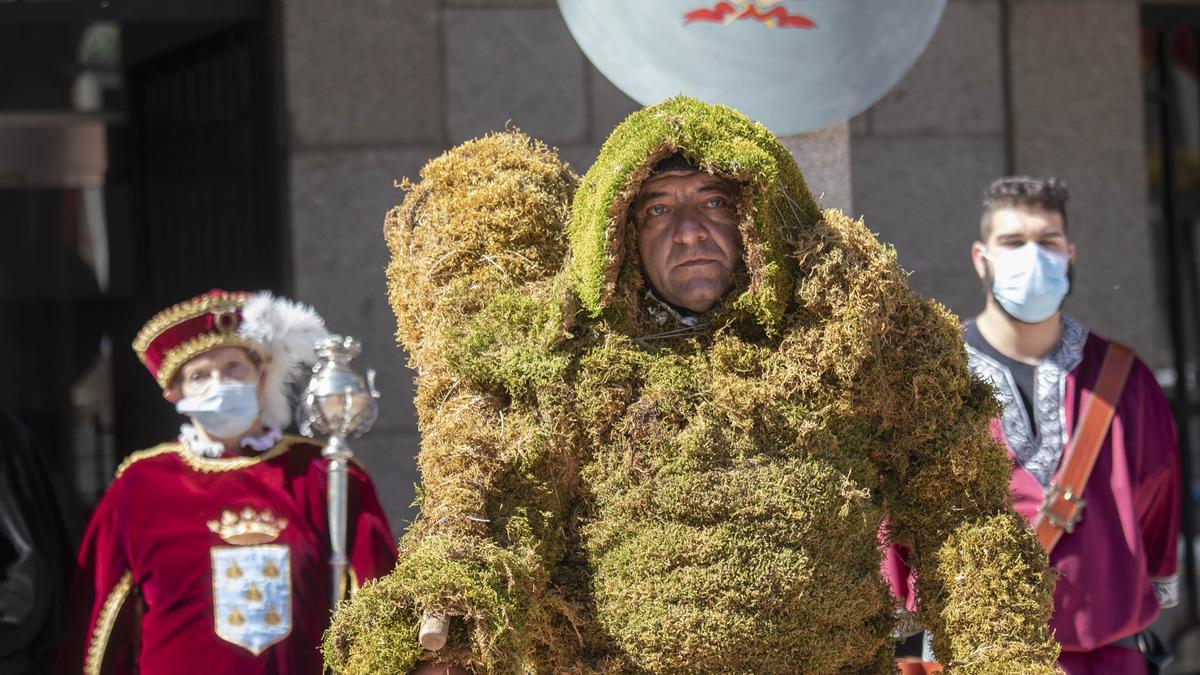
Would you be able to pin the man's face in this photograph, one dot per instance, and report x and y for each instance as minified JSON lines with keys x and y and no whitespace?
{"x":1014,"y":227}
{"x":223,"y":365}
{"x":688,"y":239}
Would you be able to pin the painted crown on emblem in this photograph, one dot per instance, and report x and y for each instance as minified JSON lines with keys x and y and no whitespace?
{"x":248,"y":527}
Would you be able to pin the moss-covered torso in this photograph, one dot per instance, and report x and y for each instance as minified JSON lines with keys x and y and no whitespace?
{"x":606,"y":489}
{"x":725,"y":535}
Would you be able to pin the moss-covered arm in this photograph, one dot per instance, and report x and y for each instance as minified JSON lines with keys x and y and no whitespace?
{"x":983,"y":583}
{"x":498,"y":482}
{"x":475,"y":247}
{"x":488,"y":589}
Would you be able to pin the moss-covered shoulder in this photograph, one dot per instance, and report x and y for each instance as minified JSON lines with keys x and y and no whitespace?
{"x":516,"y":343}
{"x":486,"y":218}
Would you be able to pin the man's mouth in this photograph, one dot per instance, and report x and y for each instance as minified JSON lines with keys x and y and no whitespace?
{"x":696,"y":262}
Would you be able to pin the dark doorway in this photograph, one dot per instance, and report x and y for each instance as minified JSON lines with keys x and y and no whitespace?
{"x":1171,"y":78}
{"x":141,"y":163}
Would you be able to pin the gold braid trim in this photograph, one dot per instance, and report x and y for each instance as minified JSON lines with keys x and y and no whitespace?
{"x":104,"y":624}
{"x":182,"y":312}
{"x":138,"y":456}
{"x":193,"y":348}
{"x":211,"y":464}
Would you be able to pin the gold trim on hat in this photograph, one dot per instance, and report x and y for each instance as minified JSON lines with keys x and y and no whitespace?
{"x":185,"y":310}
{"x":174,"y":359}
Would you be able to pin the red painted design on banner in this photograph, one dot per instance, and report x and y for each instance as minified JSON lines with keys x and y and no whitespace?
{"x":725,"y":12}
{"x":715,"y":15}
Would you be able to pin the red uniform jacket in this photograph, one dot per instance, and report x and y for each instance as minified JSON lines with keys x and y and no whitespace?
{"x":1118,"y":567}
{"x":196,"y":565}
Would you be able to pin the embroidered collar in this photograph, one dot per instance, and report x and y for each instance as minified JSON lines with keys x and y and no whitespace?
{"x":207,"y":464}
{"x":1039,"y":453}
{"x":190,"y":439}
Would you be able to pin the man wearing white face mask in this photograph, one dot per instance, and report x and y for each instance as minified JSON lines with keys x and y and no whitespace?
{"x":219,"y":391}
{"x":210,"y":554}
{"x":1089,"y":431}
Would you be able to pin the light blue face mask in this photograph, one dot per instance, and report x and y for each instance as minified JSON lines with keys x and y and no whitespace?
{"x":1029,"y":282}
{"x":225,"y":412}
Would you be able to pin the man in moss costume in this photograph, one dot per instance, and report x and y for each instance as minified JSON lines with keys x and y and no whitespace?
{"x":610,"y":486}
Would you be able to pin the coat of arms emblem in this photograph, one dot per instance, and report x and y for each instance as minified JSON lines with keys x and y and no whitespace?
{"x":252,"y":581}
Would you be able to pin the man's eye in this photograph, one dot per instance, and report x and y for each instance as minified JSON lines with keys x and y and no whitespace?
{"x":656,"y":210}
{"x":715,"y":202}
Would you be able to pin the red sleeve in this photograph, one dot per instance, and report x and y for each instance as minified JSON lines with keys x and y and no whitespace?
{"x":102,"y":612}
{"x":898,"y":576}
{"x":1151,"y":434}
{"x":372,"y":548}
{"x":896,"y":571}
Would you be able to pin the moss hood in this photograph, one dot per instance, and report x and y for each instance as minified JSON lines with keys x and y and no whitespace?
{"x":774,"y":208}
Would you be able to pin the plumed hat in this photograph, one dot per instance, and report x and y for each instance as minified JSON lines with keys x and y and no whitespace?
{"x":283,"y":332}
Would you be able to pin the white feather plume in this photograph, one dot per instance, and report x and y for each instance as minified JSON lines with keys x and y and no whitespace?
{"x":286,"y":332}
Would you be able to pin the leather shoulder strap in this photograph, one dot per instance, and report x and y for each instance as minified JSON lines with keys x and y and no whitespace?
{"x":1064,"y":502}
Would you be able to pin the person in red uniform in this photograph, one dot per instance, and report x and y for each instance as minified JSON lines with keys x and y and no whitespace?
{"x":1117,"y":563}
{"x":209,"y":554}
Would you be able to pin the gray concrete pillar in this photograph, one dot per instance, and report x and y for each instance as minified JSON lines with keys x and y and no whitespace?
{"x":364,"y":104}
{"x":1077,"y":107}
{"x":824,"y":157}
{"x":922,"y":155}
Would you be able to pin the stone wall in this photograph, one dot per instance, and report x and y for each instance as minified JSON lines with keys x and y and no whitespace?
{"x":922,"y":156}
{"x":1078,"y":112}
{"x":377,"y":87}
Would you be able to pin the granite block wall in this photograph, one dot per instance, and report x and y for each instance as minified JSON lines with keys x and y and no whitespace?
{"x":1067,"y":102}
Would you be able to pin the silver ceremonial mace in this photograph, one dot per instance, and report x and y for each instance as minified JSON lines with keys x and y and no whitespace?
{"x":340,"y":403}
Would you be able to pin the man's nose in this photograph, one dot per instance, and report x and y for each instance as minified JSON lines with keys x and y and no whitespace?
{"x":689,"y":227}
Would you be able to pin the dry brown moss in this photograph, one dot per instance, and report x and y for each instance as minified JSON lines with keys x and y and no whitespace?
{"x":485,"y":217}
{"x":605,"y":493}
{"x":986,"y":575}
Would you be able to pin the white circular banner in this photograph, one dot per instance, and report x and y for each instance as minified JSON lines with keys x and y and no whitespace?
{"x":794,"y":65}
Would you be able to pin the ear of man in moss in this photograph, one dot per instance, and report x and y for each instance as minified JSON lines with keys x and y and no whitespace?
{"x":605,"y":489}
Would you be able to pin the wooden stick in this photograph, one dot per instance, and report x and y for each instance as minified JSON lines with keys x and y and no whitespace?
{"x":434,"y":631}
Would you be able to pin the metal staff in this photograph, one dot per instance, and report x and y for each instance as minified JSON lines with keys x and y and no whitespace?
{"x":339,"y":403}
